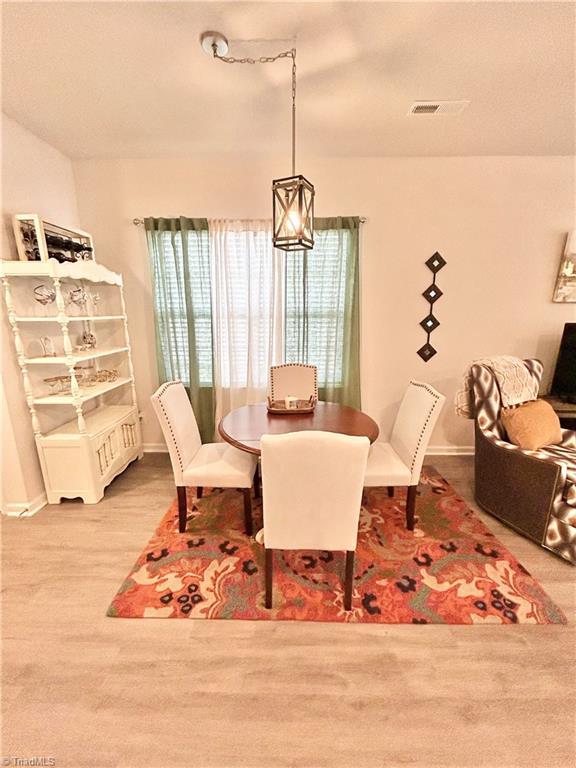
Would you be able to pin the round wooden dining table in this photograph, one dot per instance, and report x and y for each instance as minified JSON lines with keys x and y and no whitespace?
{"x":244,"y":427}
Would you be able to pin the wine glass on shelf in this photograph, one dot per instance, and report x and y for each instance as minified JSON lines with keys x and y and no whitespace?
{"x":44,"y":295}
{"x":95,"y":297}
{"x":78,"y":296}
{"x":53,"y":385}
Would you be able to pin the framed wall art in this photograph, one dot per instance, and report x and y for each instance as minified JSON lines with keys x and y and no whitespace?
{"x":565,"y":289}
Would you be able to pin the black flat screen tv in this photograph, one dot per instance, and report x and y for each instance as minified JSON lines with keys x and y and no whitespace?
{"x":564,"y":382}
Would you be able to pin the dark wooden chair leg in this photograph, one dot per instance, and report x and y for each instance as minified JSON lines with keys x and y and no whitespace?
{"x":247,"y":510}
{"x":410,"y":506}
{"x":182,"y":510}
{"x":257,"y":483}
{"x":268,"y":568}
{"x":199,"y":492}
{"x":390,"y":491}
{"x":348,"y":581}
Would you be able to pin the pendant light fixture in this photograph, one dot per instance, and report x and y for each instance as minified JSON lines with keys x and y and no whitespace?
{"x":292,"y":196}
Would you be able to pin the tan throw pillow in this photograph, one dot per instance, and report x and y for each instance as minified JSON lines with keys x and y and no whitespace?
{"x":532,"y":425}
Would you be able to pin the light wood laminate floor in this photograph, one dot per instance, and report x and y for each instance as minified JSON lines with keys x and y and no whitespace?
{"x":88,"y":690}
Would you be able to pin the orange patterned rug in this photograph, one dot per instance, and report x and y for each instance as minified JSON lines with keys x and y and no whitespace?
{"x":450,"y":570}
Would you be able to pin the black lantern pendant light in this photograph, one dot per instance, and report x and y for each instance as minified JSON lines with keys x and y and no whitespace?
{"x":292,"y":196}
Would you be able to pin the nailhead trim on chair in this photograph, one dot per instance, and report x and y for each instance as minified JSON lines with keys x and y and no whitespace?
{"x":294,"y":365}
{"x":428,"y":417}
{"x":159,"y":398}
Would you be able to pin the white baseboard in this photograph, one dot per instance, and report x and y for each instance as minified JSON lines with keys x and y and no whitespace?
{"x":450,"y":450}
{"x":155,"y":448}
{"x":25,"y":509}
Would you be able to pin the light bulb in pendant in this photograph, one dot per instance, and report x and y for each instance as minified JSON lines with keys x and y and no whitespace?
{"x":295,"y":221}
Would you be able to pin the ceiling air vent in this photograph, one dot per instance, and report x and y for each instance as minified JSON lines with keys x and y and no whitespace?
{"x":438,"y":107}
{"x":424,"y":109}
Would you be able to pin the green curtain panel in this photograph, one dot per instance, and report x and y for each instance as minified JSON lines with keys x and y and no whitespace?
{"x":322,"y":319}
{"x":179,"y":254}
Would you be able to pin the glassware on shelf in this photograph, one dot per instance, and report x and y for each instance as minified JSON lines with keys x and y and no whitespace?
{"x":88,"y":341}
{"x":105,"y":374}
{"x":44,"y":294}
{"x":59,"y":385}
{"x":47,"y":346}
{"x":85,"y":375}
{"x":78,"y":296}
{"x":53,"y":384}
{"x":95,"y":299}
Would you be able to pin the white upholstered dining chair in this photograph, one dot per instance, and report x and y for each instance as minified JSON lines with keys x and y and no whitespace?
{"x":399,"y":462}
{"x":216,"y":465}
{"x":312,"y":494}
{"x":293,"y":380}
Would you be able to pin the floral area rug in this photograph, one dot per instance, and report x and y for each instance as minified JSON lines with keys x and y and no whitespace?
{"x":450,"y":570}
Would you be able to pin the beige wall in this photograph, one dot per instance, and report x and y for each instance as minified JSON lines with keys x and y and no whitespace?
{"x":500,"y":222}
{"x":36,"y":178}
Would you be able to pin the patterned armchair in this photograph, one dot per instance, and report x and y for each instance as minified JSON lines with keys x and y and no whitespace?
{"x":533,"y":492}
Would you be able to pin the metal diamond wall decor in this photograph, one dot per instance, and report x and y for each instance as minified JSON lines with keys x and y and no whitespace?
{"x":431,"y":294}
{"x":429,"y":323}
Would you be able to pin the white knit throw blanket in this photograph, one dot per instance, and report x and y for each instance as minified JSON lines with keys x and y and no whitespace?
{"x":513,"y":378}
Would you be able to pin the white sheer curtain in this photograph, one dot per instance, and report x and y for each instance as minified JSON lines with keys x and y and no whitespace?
{"x":247,"y":276}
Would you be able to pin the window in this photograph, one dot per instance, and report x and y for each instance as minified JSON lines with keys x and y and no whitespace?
{"x":228,"y":306}
{"x":316,"y":283}
{"x":246,"y":278}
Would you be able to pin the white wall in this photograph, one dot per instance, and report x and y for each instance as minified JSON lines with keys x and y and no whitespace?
{"x":36,"y":178}
{"x":500,"y":222}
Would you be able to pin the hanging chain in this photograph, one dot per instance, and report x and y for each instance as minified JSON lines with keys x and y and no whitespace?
{"x":291,"y":54}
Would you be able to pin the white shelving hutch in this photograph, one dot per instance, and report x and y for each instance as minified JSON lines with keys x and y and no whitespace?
{"x":88,"y":435}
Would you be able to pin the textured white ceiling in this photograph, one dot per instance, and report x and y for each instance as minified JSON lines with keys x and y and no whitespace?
{"x":130,"y":79}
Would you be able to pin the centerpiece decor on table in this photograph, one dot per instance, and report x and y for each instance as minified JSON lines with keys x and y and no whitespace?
{"x":291,"y":405}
